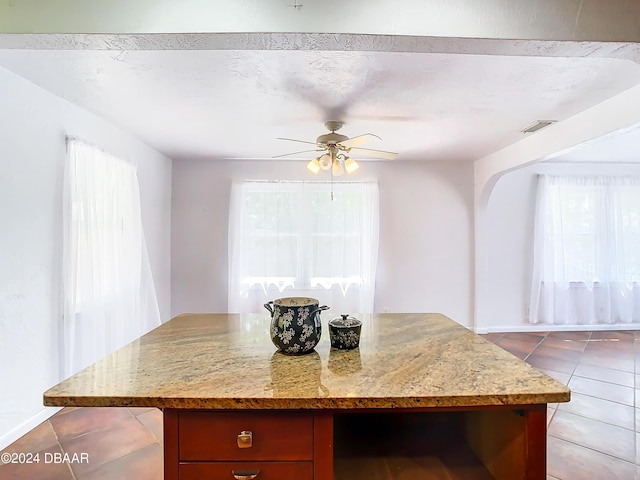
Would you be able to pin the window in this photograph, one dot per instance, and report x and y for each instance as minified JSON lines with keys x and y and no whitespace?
{"x":109,"y":297}
{"x":299,"y":238}
{"x":587,"y":250}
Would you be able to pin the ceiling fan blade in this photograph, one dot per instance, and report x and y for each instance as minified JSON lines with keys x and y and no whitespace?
{"x":294,"y":140}
{"x":296,"y":153}
{"x":374,"y":153}
{"x":359,"y":140}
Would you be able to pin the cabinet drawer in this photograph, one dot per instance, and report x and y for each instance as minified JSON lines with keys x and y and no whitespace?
{"x":267,"y":470}
{"x":274,"y":435}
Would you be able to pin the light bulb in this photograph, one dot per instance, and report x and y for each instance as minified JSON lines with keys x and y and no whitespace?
{"x":325,"y":161}
{"x":337,"y":168}
{"x":350,"y":165}
{"x":314,"y":165}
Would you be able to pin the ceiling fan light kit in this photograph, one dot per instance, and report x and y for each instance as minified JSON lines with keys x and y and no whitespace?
{"x":325,"y":161}
{"x":350,"y":165}
{"x":314,"y":165}
{"x":336,"y":147}
{"x":337,"y":169}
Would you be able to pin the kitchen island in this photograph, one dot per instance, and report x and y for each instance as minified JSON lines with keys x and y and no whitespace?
{"x":421,"y":398}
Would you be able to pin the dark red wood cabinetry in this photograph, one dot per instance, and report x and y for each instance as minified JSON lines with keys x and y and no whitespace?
{"x":502,"y":443}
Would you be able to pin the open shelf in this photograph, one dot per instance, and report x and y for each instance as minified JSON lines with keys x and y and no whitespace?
{"x":402,"y":446}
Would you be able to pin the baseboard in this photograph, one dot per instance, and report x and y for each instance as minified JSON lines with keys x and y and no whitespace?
{"x":543,"y":327}
{"x":25,"y":427}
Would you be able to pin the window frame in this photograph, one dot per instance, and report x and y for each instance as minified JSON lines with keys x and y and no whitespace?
{"x":305,"y":234}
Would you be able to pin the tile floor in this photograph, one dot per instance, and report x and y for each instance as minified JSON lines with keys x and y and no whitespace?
{"x":121,"y":443}
{"x":595,"y":436}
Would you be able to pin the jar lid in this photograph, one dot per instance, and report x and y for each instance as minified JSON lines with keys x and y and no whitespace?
{"x":345,"y":320}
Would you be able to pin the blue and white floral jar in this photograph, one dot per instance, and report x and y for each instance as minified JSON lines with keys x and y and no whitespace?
{"x":295,"y":324}
{"x":344,"y":332}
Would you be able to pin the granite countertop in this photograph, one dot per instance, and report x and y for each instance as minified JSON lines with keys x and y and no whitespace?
{"x":224,"y":361}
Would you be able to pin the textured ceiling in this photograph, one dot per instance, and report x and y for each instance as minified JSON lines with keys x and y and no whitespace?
{"x":232,"y":103}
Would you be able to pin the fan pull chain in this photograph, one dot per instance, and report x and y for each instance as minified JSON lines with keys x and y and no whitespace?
{"x":332,"y":183}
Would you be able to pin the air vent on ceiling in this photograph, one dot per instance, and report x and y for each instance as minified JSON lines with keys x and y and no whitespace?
{"x":539,"y":125}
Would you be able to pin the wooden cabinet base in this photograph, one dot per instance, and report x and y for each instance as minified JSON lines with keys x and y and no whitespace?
{"x":425,"y":467}
{"x":499,"y":443}
{"x":246,"y":470}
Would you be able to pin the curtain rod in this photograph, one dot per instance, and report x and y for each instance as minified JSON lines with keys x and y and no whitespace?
{"x":73,"y":138}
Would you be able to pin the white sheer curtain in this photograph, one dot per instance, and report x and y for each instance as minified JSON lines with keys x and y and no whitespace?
{"x":303,"y":239}
{"x":109,"y":295}
{"x":586,"y":266}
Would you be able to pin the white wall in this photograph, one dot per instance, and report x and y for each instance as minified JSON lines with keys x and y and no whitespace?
{"x":510,"y":228}
{"x":425,"y":255}
{"x":33,"y":126}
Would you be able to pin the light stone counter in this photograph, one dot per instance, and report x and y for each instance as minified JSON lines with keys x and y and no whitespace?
{"x":223,"y":361}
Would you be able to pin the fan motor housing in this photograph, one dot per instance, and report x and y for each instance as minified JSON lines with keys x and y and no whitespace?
{"x":331,"y":138}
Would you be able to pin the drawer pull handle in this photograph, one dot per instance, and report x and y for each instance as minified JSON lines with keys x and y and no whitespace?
{"x":245,"y":474}
{"x":245,"y":440}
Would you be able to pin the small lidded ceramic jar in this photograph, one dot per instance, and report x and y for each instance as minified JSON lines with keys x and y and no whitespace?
{"x":344,"y":332}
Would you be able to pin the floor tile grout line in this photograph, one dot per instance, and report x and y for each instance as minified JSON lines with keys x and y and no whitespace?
{"x":590,"y":448}
{"x":635,"y":433}
{"x":601,"y":398}
{"x":536,"y":346}
{"x":106,"y":464}
{"x":594,"y":419}
{"x":603,"y":381}
{"x":55,"y":433}
{"x":157,"y":440}
{"x":102,"y":465}
{"x":103,"y":430}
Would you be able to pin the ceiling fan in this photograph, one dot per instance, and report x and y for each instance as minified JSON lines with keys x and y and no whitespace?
{"x":336,"y":149}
